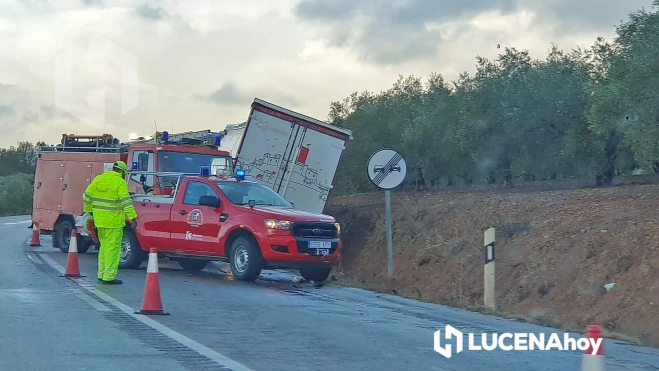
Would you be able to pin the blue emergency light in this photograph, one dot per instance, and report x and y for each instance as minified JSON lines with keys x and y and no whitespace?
{"x":240,"y":174}
{"x":218,"y":140}
{"x":165,"y":136}
{"x":205,"y":171}
{"x":135,"y":165}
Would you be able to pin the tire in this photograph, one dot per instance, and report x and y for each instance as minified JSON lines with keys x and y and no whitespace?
{"x":132,"y":254}
{"x":316,"y":275}
{"x":62,"y":235}
{"x":245,"y":259}
{"x":192,"y":265}
{"x":84,"y":244}
{"x":62,"y":238}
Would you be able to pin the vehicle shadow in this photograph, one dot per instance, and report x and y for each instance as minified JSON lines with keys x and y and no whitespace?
{"x":280,"y":280}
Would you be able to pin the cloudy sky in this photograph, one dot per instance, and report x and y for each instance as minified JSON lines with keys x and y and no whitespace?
{"x":198,"y":64}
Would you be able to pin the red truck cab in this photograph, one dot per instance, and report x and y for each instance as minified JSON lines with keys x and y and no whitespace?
{"x":244,"y":223}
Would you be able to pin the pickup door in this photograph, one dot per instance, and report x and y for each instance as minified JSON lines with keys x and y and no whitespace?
{"x":196,"y":228}
{"x":154,"y":226}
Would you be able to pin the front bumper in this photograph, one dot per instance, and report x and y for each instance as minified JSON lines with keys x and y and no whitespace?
{"x":282,"y":247}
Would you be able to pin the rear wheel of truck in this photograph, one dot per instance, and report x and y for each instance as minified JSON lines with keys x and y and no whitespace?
{"x":192,"y":264}
{"x":132,"y":255}
{"x":62,"y":238}
{"x":316,"y":275}
{"x":245,"y":259}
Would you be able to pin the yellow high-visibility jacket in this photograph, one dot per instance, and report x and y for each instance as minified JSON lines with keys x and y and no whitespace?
{"x":108,"y":199}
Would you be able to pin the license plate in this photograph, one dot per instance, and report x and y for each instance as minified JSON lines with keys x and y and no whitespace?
{"x":320,"y":248}
{"x":320,"y":245}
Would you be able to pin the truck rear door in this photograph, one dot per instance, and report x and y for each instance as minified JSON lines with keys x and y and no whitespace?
{"x":48,"y":184}
{"x":268,"y":143}
{"x":77,"y":176}
{"x":309,"y":179}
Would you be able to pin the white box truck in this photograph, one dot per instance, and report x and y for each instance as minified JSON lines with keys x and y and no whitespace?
{"x":295,"y":155}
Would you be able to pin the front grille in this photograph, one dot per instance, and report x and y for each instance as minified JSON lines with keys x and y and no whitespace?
{"x":317,"y":230}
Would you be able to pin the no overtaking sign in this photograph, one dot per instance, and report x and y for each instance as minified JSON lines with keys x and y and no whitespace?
{"x":387,"y":169}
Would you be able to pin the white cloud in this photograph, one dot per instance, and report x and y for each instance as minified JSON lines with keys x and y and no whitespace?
{"x":236,"y":50}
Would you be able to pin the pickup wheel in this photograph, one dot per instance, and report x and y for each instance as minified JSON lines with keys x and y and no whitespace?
{"x":84,"y":244}
{"x":245,"y":259}
{"x":316,"y":275}
{"x":192,"y":264}
{"x":132,"y":255}
{"x":62,"y":238}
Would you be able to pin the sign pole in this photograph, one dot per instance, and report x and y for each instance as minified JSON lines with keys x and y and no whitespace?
{"x":390,"y":242}
{"x":387,"y":170}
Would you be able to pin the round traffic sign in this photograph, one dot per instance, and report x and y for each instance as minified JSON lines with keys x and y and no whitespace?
{"x":387,"y":169}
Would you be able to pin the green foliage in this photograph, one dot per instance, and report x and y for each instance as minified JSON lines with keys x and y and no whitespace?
{"x":16,"y":194}
{"x":17,"y":166}
{"x":589,"y":114}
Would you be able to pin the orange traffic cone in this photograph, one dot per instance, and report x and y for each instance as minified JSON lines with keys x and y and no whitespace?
{"x":590,"y":361}
{"x":152,"y":304}
{"x":72,"y":267}
{"x":34,"y":242}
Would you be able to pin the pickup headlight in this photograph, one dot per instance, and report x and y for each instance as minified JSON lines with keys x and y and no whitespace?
{"x":338,"y":227}
{"x":277,"y":224}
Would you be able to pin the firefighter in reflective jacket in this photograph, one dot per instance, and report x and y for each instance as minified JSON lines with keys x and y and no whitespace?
{"x":109,"y":202}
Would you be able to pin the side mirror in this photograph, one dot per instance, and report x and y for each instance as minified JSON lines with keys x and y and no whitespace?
{"x":211,"y":201}
{"x":251,"y":203}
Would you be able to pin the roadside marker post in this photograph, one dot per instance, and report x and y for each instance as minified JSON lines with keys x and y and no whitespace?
{"x":489,"y":268}
{"x":387,"y":170}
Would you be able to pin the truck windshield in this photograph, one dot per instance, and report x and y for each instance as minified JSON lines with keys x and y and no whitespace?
{"x":240,"y":193}
{"x":184,"y":162}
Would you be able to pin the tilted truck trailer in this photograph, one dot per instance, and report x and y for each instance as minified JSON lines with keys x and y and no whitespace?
{"x":295,"y":155}
{"x":63,"y":172}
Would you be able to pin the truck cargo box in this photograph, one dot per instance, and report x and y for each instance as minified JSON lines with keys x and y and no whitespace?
{"x":295,"y":155}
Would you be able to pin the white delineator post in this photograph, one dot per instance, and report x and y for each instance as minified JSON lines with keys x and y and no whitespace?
{"x":489,"y":269}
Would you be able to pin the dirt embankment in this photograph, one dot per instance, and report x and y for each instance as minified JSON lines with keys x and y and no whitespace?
{"x":556,"y":250}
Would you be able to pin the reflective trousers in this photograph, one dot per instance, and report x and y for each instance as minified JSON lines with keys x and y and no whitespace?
{"x":109,"y":252}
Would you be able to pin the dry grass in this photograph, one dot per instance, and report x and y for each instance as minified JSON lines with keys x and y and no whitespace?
{"x":537,"y":318}
{"x":555,"y":251}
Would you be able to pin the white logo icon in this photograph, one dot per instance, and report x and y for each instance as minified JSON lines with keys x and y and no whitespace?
{"x":92,"y":111}
{"x":450,"y":333}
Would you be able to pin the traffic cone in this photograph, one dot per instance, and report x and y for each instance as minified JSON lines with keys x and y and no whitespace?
{"x":152,"y":304}
{"x":72,"y":267}
{"x":593,"y":362}
{"x":34,"y":242}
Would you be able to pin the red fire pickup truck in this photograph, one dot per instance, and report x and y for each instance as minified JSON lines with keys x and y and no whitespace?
{"x":244,"y":223}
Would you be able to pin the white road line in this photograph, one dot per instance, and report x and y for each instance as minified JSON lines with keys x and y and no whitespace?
{"x":14,"y":223}
{"x":98,"y":306}
{"x":33,"y":258}
{"x":181,"y":339}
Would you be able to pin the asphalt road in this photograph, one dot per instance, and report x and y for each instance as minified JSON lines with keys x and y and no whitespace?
{"x":216,"y":323}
